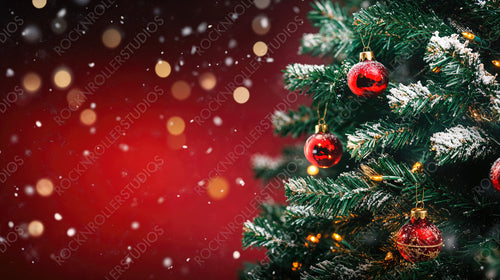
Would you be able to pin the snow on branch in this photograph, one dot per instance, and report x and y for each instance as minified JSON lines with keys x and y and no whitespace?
{"x":281,"y":119}
{"x":495,"y":100}
{"x":451,"y":45}
{"x":450,"y":55}
{"x":415,"y":99}
{"x":297,"y":185}
{"x":302,"y":72}
{"x":402,"y":95}
{"x":317,"y":42}
{"x":260,"y":161}
{"x":374,"y":135}
{"x":320,"y":81}
{"x":459,"y":143}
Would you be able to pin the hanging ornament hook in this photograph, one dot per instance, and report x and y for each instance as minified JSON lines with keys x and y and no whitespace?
{"x":419,"y":211}
{"x":419,"y":204}
{"x":366,"y":47}
{"x":322,"y":118}
{"x":367,"y":53}
{"x":322,"y":126}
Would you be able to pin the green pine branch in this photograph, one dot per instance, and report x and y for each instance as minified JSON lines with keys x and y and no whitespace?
{"x":294,"y":123}
{"x":323,"y":83}
{"x":399,"y":29}
{"x":447,"y":106}
{"x":335,"y":35}
{"x":459,"y":143}
{"x":378,"y":135}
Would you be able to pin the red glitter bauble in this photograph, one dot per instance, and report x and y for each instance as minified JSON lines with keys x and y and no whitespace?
{"x":419,"y":240}
{"x":495,"y":174}
{"x":323,"y":149}
{"x":368,"y":78}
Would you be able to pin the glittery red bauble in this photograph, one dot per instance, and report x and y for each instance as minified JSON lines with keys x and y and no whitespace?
{"x":323,"y":149}
{"x":495,"y":174}
{"x":419,"y":240}
{"x":368,"y":78}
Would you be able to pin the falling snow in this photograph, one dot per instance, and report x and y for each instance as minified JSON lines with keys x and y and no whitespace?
{"x":58,"y":217}
{"x":186,"y":31}
{"x":266,"y":162}
{"x":167,"y":262}
{"x":202,"y":27}
{"x":134,"y":225}
{"x":229,"y":61}
{"x":232,"y":44}
{"x":217,"y":121}
{"x":240,"y":181}
{"x":87,"y":167}
{"x":9,"y":73}
{"x":236,"y":255}
{"x":29,"y":190}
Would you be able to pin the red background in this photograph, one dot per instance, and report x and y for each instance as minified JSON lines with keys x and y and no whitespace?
{"x":189,"y":220}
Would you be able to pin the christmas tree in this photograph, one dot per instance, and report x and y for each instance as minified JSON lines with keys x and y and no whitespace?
{"x":415,"y":193}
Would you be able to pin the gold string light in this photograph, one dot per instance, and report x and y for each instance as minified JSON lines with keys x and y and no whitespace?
{"x":314,"y":238}
{"x":337,"y":237}
{"x":371,"y":173}
{"x":377,"y":178}
{"x":417,"y":167}
{"x":468,"y":35}
{"x":478,"y":115}
{"x":312,"y":170}
{"x":496,"y":63}
{"x":388,"y":256}
{"x":436,"y":69}
{"x":296,"y":266}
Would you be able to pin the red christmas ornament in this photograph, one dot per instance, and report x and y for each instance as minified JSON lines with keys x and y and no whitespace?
{"x":368,"y":78}
{"x":323,"y":149}
{"x":495,"y":174}
{"x":419,"y":240}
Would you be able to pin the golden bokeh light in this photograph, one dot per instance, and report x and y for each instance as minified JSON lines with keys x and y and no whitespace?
{"x":175,"y":125}
{"x":296,"y":266}
{"x":88,"y":117}
{"x":62,"y":78}
{"x":468,"y":35}
{"x":377,"y":178}
{"x":262,"y":4}
{"x":417,"y":167}
{"x":241,"y":95}
{"x":32,"y":82}
{"x":175,"y":142}
{"x":111,"y":38}
{"x":207,"y":80}
{"x":163,"y":69}
{"x":35,"y":228}
{"x":314,"y":238}
{"x":181,"y":90}
{"x":337,"y":237}
{"x":218,"y":188}
{"x":312,"y":170}
{"x":260,"y":48}
{"x":39,"y":4}
{"x":261,"y":25}
{"x":44,"y":187}
{"x":75,"y":98}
